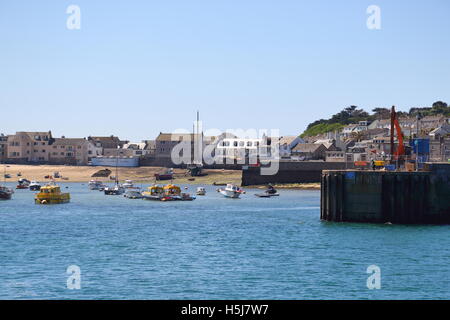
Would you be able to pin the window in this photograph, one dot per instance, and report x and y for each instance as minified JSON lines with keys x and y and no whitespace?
{"x":249,"y":143}
{"x":241,"y":143}
{"x":235,"y":143}
{"x":43,"y":150}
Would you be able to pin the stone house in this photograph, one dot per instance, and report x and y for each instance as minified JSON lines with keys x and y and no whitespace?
{"x":309,"y":151}
{"x":3,"y":147}
{"x":73,"y":151}
{"x":25,"y":147}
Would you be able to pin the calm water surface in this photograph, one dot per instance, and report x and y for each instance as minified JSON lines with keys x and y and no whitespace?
{"x":211,"y":248}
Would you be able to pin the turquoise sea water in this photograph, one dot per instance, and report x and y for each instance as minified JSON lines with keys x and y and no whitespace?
{"x":211,"y":248}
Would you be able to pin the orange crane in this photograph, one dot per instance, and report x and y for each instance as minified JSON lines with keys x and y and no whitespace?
{"x":401,"y":147}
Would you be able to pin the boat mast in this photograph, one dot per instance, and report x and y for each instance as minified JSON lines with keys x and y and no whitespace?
{"x":117,"y":167}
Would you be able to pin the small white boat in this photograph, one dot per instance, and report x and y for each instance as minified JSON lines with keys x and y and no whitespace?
{"x":115,"y":190}
{"x":201,"y":191}
{"x":133,"y":194}
{"x":231,"y":191}
{"x":35,"y":186}
{"x":128,"y":184}
{"x":95,"y":185}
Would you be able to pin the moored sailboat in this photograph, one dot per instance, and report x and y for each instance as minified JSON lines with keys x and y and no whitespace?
{"x":5,"y":192}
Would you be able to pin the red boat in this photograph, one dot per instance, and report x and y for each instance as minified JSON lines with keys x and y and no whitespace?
{"x":23,"y":184}
{"x":168,"y":175}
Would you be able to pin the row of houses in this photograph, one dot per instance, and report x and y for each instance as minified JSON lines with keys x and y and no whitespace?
{"x":366,"y":141}
{"x":357,"y":142}
{"x":43,"y":147}
{"x":410,"y":126}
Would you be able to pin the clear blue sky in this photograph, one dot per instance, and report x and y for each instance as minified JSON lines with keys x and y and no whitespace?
{"x":140,"y":67}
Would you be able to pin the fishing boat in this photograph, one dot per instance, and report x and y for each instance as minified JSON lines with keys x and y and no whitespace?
{"x":5,"y":193}
{"x":201,"y":191}
{"x":23,"y":184}
{"x":231,"y":191}
{"x":51,"y":194}
{"x":154,"y":192}
{"x":133,"y":194}
{"x":173,"y":192}
{"x":169,"y":192}
{"x":35,"y":186}
{"x":96,"y":185}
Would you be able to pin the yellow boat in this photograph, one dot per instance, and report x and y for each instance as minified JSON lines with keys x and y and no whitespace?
{"x":154,"y":193}
{"x":51,"y":194}
{"x":173,"y":192}
{"x":169,"y":192}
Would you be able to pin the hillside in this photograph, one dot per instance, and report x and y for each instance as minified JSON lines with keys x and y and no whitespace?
{"x":353,"y":115}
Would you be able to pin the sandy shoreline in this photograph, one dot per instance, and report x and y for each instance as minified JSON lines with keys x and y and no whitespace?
{"x":139,"y":174}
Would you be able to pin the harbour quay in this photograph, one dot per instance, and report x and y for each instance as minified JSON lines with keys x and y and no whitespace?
{"x":397,"y":197}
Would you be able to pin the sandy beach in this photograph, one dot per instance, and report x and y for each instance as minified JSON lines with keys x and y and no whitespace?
{"x":139,"y":174}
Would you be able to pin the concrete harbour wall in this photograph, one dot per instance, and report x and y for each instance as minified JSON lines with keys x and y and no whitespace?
{"x":381,"y":197}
